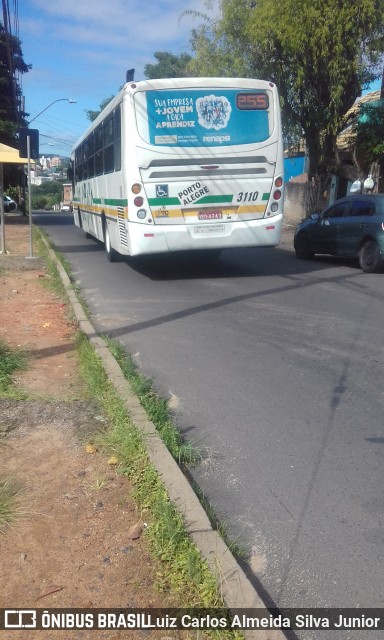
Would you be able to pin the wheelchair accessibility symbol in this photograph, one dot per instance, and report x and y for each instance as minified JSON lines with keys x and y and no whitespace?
{"x":161,"y":191}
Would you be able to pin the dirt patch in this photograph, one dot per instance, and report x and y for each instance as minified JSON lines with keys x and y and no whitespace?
{"x":70,"y":547}
{"x":35,"y":320}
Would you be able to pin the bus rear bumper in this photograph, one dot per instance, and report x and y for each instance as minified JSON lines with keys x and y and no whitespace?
{"x":264,"y":232}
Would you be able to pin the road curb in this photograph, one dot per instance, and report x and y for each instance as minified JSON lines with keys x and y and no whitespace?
{"x":236,"y":589}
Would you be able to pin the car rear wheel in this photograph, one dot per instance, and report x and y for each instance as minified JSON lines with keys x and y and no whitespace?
{"x":369,"y":257}
{"x":302,"y":247}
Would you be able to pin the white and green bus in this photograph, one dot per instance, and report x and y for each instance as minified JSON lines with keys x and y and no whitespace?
{"x":182,"y":164}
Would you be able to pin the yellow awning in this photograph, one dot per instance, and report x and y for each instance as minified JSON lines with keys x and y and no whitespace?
{"x":9,"y":154}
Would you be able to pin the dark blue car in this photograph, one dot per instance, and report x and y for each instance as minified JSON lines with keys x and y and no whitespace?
{"x":352,"y":227}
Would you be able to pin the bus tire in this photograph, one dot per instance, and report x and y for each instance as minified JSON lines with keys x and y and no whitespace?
{"x":112,"y":255}
{"x":87,"y":235}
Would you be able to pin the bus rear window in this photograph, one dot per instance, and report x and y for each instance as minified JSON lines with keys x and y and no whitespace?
{"x":203,"y":117}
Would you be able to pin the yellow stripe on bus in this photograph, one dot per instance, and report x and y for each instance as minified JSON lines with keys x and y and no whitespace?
{"x":101,"y":209}
{"x":179,"y":213}
{"x":254,"y":208}
{"x":227,"y":211}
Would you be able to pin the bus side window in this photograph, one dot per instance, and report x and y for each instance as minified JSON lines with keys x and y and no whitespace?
{"x":117,"y":116}
{"x":108,"y":144}
{"x":91,"y":156}
{"x":99,"y":150}
{"x":84,"y":160}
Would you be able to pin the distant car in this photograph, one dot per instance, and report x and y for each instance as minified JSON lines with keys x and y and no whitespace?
{"x":66,"y":208}
{"x":9,"y":204}
{"x":351,"y":226}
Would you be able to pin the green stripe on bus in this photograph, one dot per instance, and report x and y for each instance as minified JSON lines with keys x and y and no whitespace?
{"x":96,"y":200}
{"x":265,"y":196}
{"x":211,"y":199}
{"x":162,"y":201}
{"x":114,"y":202}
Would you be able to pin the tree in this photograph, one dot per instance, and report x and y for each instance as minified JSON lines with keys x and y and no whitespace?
{"x":92,"y":115}
{"x":11,"y":62}
{"x":320,"y":53}
{"x":46,"y":195}
{"x":168,"y":66}
{"x":365,"y":142}
{"x":11,"y":117}
{"x":369,"y":138}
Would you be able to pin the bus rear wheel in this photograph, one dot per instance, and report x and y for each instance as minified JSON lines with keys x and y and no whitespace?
{"x":87,"y":235}
{"x":112,"y":255}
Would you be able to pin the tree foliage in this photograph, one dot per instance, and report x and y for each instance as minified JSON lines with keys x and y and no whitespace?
{"x":168,"y":65}
{"x":92,"y":115}
{"x":48,"y":194}
{"x":369,"y":134}
{"x":11,"y":63}
{"x":320,"y":53}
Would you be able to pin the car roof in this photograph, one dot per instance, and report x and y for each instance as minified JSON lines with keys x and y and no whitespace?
{"x":352,"y":197}
{"x":360,"y":196}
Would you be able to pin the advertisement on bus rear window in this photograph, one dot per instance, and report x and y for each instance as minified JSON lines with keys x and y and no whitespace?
{"x":210,"y":117}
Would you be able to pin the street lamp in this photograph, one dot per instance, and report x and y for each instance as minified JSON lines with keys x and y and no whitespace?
{"x":70,"y":100}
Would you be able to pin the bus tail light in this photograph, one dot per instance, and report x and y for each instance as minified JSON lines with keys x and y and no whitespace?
{"x":138,"y":201}
{"x":279,"y":182}
{"x":136,"y":188}
{"x":277,"y":194}
{"x":141,"y":213}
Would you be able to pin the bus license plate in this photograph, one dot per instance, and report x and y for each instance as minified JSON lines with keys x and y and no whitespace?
{"x":210,"y":215}
{"x":206,"y":229}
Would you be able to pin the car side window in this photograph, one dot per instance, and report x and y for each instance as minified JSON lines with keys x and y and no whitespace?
{"x":337,"y":211}
{"x":360,"y":208}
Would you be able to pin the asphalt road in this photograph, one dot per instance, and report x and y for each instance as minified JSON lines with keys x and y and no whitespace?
{"x":274,"y":368}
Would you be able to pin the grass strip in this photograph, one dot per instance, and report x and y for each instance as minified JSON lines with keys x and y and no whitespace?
{"x":11,"y":361}
{"x":183,"y":452}
{"x":183,"y":571}
{"x":156,"y":408}
{"x":54,"y":281}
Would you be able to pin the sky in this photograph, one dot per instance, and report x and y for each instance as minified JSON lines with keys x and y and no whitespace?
{"x":81,"y":50}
